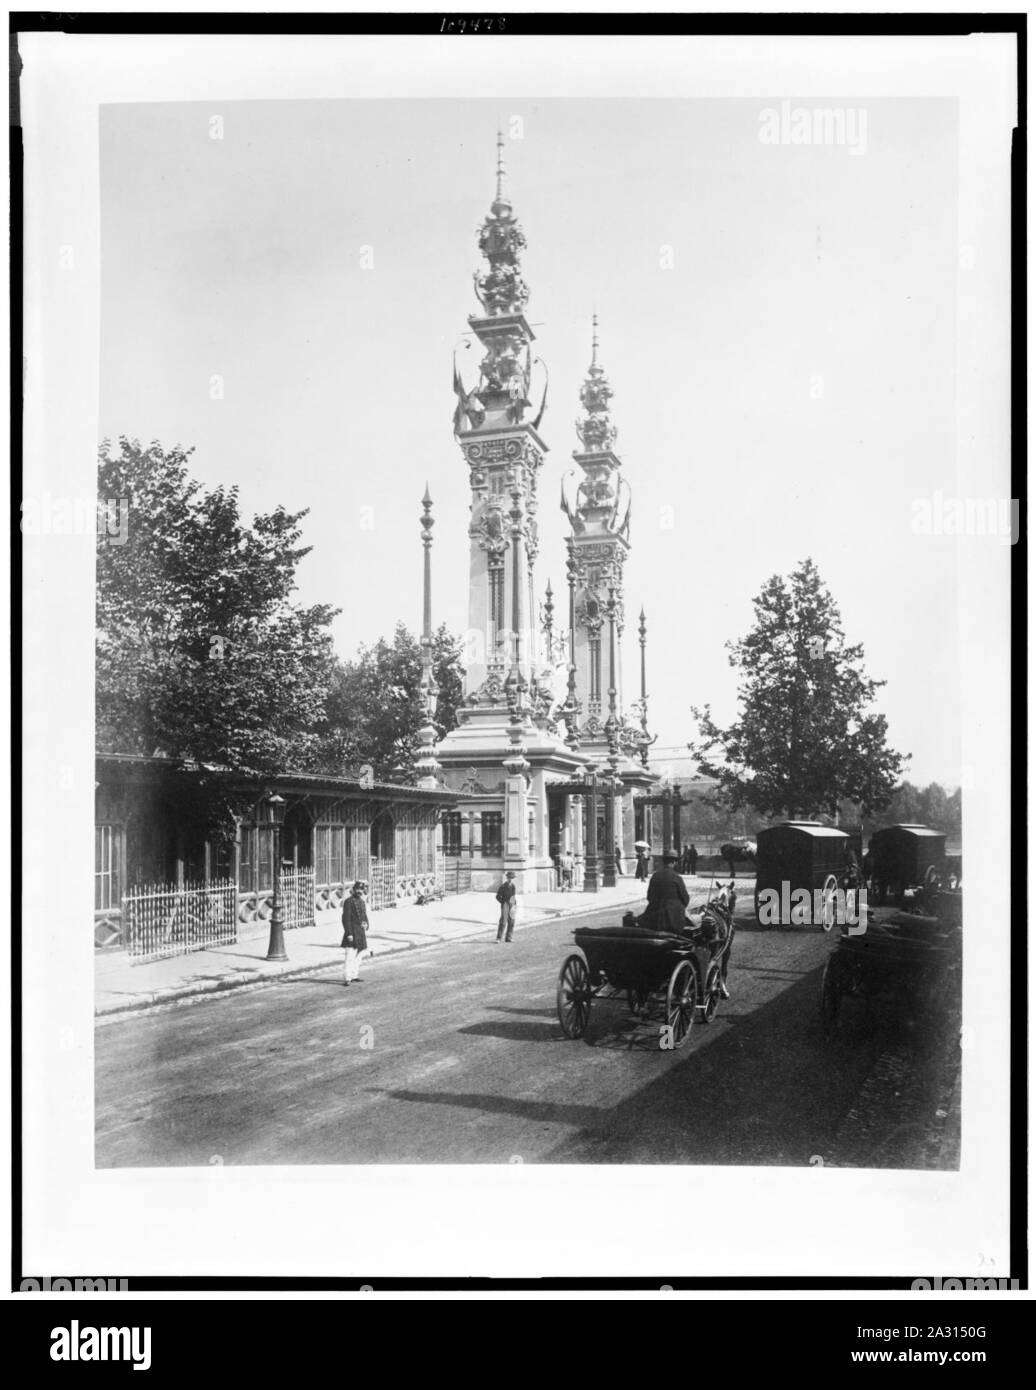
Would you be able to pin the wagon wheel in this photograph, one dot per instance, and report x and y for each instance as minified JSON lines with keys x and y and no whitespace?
{"x":830,"y":1001}
{"x":713,"y":986}
{"x":828,"y":914}
{"x":681,"y":1000}
{"x":637,"y":999}
{"x":574,"y":996}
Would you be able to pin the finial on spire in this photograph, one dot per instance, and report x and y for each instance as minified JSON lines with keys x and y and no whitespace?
{"x":593,"y":359}
{"x":499,"y":165}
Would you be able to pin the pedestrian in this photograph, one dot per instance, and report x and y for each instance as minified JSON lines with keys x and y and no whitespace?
{"x":354,"y":931}
{"x":692,"y":858}
{"x":642,"y":864}
{"x":507,"y":897}
{"x":667,"y":898}
{"x":618,"y":860}
{"x":568,"y":871}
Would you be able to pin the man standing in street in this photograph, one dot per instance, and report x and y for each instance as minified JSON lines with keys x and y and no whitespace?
{"x":354,"y":931}
{"x":507,"y":897}
{"x":692,"y":859}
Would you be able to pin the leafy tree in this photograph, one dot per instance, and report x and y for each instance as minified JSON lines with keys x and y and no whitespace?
{"x":201,"y":653}
{"x":375,"y":710}
{"x":806,"y":738}
{"x":911,"y":805}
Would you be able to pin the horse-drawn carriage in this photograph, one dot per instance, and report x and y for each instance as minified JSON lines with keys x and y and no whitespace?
{"x":796,"y":856}
{"x":909,"y":959}
{"x":670,"y":976}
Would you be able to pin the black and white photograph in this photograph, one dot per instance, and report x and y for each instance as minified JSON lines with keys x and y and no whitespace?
{"x":517,"y":536}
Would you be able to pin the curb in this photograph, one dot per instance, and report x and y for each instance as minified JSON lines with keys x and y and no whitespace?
{"x":245,"y":978}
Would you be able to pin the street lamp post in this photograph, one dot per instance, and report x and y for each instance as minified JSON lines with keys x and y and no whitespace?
{"x":608,"y":867}
{"x":590,"y":868}
{"x":276,"y":950}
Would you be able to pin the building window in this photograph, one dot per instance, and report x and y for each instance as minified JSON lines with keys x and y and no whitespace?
{"x":106,"y":867}
{"x":451,"y":833}
{"x":492,"y":835}
{"x":246,"y":860}
{"x":257,"y":846}
{"x":595,"y":668}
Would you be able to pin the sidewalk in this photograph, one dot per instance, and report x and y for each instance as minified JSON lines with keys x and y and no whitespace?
{"x":120,"y":986}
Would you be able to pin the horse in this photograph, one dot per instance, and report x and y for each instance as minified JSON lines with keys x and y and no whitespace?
{"x":735,"y":850}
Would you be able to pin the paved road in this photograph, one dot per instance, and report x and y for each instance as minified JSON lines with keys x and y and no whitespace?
{"x":465,"y":1062}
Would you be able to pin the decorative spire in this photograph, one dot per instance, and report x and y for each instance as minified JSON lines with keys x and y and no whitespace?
{"x":596,"y":433}
{"x":427,"y":765}
{"x":646,"y":740}
{"x":501,"y":395}
{"x":499,"y":166}
{"x":500,"y":289}
{"x":427,"y":522}
{"x":600,"y":502}
{"x":548,"y":621}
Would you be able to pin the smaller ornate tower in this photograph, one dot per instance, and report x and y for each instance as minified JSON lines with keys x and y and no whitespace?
{"x":598,"y":505}
{"x":598,"y":509}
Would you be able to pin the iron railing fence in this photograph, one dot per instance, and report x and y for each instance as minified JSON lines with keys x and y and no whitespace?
{"x":454,"y":874}
{"x":159,"y":920}
{"x":297,"y":893}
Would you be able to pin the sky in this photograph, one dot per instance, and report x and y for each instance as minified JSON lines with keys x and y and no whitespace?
{"x":778,"y":323}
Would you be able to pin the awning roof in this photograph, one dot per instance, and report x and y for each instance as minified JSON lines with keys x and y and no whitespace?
{"x":314,"y":781}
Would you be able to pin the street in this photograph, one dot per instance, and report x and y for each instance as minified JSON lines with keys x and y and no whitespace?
{"x":455,"y":1055}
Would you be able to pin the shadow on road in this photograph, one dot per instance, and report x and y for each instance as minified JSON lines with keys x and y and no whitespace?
{"x":757,"y":1088}
{"x":514,"y":1032}
{"x":543,"y":1112}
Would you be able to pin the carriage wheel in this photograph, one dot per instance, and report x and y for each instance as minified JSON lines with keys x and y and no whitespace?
{"x":713,"y":985}
{"x":827,"y":919}
{"x":637,"y":1000}
{"x":681,"y":1000}
{"x":830,"y":1001}
{"x":574,"y":996}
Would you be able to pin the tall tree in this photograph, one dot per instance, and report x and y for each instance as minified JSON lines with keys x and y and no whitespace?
{"x":374,"y":710}
{"x":806,"y":737}
{"x":202,"y":654}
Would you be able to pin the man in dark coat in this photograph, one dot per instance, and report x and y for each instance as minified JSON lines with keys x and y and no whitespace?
{"x":692,"y":859}
{"x":667,"y":898}
{"x":354,"y":931}
{"x":507,"y":897}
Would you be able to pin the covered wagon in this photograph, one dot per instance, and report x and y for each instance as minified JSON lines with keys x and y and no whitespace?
{"x":901,"y":858}
{"x":795,"y":856}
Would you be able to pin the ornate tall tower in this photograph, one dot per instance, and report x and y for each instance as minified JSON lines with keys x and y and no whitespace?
{"x":504,"y":454}
{"x":596,"y":498}
{"x":506,"y":741}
